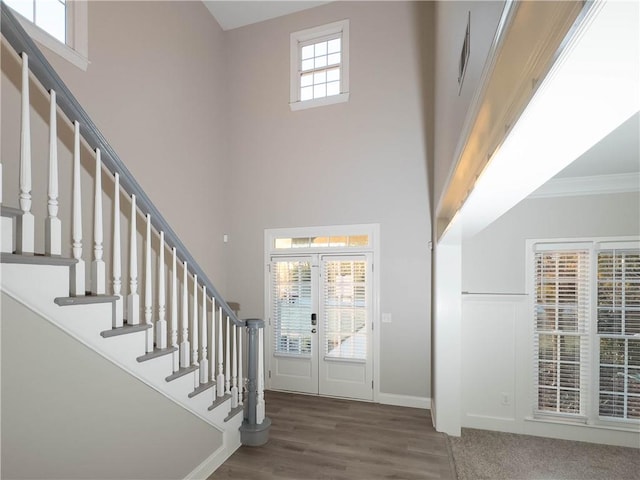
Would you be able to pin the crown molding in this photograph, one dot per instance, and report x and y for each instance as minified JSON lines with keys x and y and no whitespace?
{"x":595,"y":185}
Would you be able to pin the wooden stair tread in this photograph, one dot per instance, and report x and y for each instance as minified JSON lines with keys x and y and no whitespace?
{"x":157,"y":352}
{"x":218,"y":401}
{"x":124,"y":330}
{"x":36,"y":259}
{"x":234,"y":412}
{"x":181,"y":372}
{"x":84,"y":300}
{"x":10,"y":211}
{"x":203,"y":387}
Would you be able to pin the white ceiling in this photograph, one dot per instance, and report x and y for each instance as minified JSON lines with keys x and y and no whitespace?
{"x":617,"y":153}
{"x":238,"y":13}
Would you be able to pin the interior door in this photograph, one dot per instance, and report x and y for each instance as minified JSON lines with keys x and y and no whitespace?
{"x":293,"y":307}
{"x":345,"y":349}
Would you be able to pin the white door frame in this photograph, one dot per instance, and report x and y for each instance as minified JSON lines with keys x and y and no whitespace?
{"x":373,"y":247}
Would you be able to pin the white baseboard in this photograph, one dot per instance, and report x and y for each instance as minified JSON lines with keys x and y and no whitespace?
{"x":405,"y":400}
{"x":211,"y":464}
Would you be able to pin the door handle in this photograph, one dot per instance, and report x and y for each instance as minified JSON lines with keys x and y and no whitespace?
{"x":314,"y":319}
{"x":313,"y":330}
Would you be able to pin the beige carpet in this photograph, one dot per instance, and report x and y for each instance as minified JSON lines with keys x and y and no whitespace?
{"x":481,"y":454}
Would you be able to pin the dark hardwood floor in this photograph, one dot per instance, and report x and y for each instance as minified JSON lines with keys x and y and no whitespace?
{"x":333,"y":439}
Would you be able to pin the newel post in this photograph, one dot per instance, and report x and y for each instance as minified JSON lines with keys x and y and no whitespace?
{"x":252,"y":433}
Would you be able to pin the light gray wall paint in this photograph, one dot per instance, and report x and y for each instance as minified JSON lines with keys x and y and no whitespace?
{"x":493,"y":261}
{"x":154,"y":88}
{"x":69,"y":413}
{"x":358,"y":162}
{"x":452,"y":102}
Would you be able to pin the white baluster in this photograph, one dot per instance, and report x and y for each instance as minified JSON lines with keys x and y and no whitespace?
{"x":204,"y":360}
{"x":77,"y":277}
{"x":161,"y":324}
{"x":234,"y":370}
{"x":194,"y":329}
{"x":98,"y":272}
{"x":133,"y":299}
{"x":240,"y":372}
{"x":220,"y":377}
{"x":52,"y":224}
{"x":148,"y":286}
{"x":174,"y":312}
{"x":118,"y":314}
{"x":260,"y":406}
{"x":184,"y":346}
{"x":227,"y":358}
{"x":25,"y":226}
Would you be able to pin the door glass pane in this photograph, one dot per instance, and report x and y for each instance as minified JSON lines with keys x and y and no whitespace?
{"x":345,"y":309}
{"x":291,"y":306}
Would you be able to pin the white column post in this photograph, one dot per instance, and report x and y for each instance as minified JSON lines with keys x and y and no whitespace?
{"x":133,"y":299}
{"x":240,"y":373}
{"x":98,"y":272}
{"x":25,"y":225}
{"x":234,"y":370}
{"x":204,"y":360}
{"x":194,"y":329}
{"x":161,"y":324}
{"x":148,"y":287}
{"x":174,"y":312}
{"x":77,"y":277}
{"x":116,"y":260}
{"x":260,"y":406}
{"x":220,"y":377}
{"x":184,"y":346}
{"x":52,"y":224}
{"x":227,"y":358}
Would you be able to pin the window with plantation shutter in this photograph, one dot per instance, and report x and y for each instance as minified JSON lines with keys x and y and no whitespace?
{"x":619,"y":333}
{"x":586,"y":337}
{"x":291,"y":306}
{"x":345,"y":308}
{"x":561,"y":329}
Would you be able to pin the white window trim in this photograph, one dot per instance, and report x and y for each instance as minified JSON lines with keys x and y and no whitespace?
{"x":76,"y":49}
{"x":591,"y":417}
{"x":342,"y":27}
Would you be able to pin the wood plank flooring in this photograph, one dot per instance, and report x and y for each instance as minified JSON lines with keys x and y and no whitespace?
{"x":324,"y":438}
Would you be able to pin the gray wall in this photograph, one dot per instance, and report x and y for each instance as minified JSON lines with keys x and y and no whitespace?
{"x":493,"y":261}
{"x":358,"y":162}
{"x":201,"y":118}
{"x":155,"y":88}
{"x":69,"y":413}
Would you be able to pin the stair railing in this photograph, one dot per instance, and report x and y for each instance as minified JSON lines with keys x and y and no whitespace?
{"x":161,"y":335}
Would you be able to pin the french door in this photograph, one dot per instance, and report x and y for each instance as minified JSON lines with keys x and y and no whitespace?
{"x":320,"y":325}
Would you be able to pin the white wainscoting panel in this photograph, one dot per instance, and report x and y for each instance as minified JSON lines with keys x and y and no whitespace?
{"x":489,"y":329}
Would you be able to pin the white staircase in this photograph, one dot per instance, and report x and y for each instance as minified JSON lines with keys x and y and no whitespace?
{"x":171,"y":330}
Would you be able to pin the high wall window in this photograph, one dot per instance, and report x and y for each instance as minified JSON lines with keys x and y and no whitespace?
{"x":59,"y":25}
{"x":320,"y":66}
{"x":587,"y":331}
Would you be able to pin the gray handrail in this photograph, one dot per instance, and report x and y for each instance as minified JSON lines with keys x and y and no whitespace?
{"x":20,"y":40}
